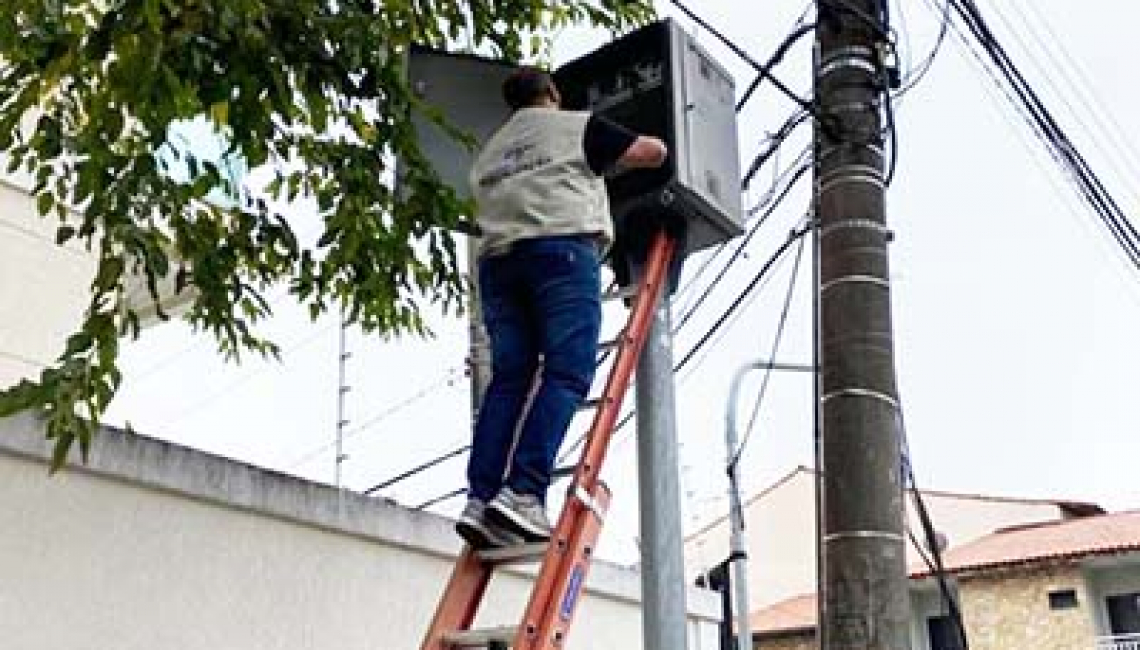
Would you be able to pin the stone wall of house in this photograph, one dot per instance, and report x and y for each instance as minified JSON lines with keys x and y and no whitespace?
{"x":1010,"y":609}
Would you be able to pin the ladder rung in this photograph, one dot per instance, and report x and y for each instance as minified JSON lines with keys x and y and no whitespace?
{"x":565,"y":471}
{"x":519,"y":554}
{"x":590,"y":404}
{"x":620,"y":294}
{"x":503,"y":634}
{"x":612,"y":344}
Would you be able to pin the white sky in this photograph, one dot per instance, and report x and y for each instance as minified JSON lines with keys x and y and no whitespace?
{"x":1015,"y":317}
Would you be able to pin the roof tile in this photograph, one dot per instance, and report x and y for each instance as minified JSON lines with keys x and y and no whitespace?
{"x":1054,"y":540}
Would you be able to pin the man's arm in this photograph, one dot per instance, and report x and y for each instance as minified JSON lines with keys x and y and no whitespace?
{"x":608,"y":144}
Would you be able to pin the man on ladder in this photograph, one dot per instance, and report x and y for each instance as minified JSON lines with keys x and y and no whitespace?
{"x":544,"y":215}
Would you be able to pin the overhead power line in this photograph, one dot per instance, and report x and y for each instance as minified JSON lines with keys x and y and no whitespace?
{"x":447,"y":380}
{"x":762,"y":70}
{"x":773,"y":353}
{"x":711,"y":331}
{"x":1051,"y":134}
{"x":387,"y":483}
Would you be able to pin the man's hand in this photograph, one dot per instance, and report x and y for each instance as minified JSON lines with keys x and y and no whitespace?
{"x":646,"y":151}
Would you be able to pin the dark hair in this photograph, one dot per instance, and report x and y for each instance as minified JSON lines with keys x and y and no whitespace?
{"x":526,"y":87}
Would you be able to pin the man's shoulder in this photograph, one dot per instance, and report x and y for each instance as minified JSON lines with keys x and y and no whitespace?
{"x":552,"y":115}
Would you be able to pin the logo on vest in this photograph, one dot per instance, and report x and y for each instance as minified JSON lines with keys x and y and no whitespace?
{"x":515,"y":161}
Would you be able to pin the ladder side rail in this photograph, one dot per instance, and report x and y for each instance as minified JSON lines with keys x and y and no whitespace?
{"x":460,"y":601}
{"x":559,"y":560}
{"x":567,"y":591}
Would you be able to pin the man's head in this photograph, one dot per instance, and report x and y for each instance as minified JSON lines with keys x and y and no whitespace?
{"x":528,"y":87}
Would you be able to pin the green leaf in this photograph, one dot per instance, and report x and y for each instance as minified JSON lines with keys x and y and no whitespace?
{"x":109,"y":273}
{"x":220,"y":112}
{"x":44,"y":202}
{"x":63,"y":234}
{"x":79,"y":342}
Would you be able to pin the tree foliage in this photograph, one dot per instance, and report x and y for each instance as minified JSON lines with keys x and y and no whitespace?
{"x":313,"y":90}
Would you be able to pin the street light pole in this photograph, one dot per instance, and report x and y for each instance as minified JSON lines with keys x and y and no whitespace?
{"x":738,"y":548}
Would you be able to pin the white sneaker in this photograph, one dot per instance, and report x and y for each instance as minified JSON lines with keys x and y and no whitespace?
{"x":480,"y":533}
{"x":521,"y":514}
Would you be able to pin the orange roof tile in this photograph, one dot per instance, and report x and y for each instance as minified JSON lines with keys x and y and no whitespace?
{"x":1054,"y":540}
{"x":1019,"y":545}
{"x":794,"y":614}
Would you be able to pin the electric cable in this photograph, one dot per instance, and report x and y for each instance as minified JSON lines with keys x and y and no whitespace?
{"x":915,"y":76}
{"x":800,"y":173}
{"x":228,"y":388}
{"x":772,"y":61}
{"x":440,"y":499}
{"x":783,"y":321}
{"x":313,"y":454}
{"x":1084,"y":89}
{"x":778,"y":140}
{"x":933,"y":561}
{"x":736,"y":49}
{"x":1049,"y":131}
{"x":1097,"y":132}
{"x":710,"y":332}
{"x":417,"y":469}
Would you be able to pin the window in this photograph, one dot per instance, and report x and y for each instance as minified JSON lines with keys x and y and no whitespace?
{"x":1063,"y":599}
{"x":943,"y":632}
{"x":1124,"y":613}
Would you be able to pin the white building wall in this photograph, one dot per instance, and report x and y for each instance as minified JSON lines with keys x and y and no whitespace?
{"x":780,"y":537}
{"x":43,"y":287}
{"x":152,"y":545}
{"x":1110,"y":576}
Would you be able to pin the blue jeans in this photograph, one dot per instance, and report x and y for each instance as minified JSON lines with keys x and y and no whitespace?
{"x":541,"y":298}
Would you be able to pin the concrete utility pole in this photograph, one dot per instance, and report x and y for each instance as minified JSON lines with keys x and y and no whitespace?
{"x":864,"y":585}
{"x":662,"y":550}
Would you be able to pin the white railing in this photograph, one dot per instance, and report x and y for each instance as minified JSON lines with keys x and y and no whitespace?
{"x":1119,"y":642}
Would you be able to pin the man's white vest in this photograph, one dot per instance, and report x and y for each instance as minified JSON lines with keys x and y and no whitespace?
{"x":531,"y":179}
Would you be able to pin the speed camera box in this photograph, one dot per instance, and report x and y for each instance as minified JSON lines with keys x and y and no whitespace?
{"x":659,"y":81}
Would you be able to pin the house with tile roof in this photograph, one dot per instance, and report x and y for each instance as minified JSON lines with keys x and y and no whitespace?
{"x":782,"y":531}
{"x":1066,"y":584}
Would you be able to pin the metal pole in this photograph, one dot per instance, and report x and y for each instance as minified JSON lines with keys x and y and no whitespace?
{"x":817,"y":425}
{"x":738,"y":548}
{"x":479,"y":344}
{"x":342,"y":390}
{"x":865,"y":598}
{"x":662,"y":550}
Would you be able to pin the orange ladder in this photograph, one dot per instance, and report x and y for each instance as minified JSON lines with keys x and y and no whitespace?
{"x":566,"y":559}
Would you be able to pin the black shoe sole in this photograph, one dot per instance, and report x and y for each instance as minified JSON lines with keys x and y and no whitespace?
{"x":504,"y":520}
{"x":473,"y":536}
